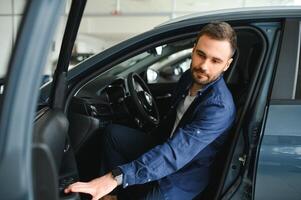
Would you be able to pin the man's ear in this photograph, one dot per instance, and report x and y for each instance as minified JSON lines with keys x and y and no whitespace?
{"x":228,"y":64}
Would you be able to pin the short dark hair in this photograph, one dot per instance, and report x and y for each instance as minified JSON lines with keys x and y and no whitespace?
{"x":220,"y":31}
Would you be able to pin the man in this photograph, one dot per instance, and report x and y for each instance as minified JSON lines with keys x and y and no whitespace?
{"x":193,"y":132}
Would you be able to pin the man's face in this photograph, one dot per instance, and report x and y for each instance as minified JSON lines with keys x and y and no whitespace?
{"x":210,"y":58}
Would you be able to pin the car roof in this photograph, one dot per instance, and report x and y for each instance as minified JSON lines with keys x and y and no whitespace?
{"x":240,"y":14}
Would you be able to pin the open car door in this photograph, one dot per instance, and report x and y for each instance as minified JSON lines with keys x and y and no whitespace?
{"x":36,"y":161}
{"x":54,"y":165}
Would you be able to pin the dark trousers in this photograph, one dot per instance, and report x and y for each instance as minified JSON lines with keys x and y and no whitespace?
{"x":121,"y":145}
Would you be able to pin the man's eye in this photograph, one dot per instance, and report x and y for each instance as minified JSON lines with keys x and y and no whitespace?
{"x":215,"y":61}
{"x":202,"y":55}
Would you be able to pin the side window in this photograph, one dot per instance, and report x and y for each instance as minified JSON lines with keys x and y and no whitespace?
{"x":298,"y":86}
{"x":161,"y":64}
{"x":287,"y":84}
{"x":169,"y":69}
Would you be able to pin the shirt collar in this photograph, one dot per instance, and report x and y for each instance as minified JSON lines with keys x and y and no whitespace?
{"x":208,"y":85}
{"x":202,"y":90}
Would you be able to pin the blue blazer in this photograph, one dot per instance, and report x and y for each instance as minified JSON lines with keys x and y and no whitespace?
{"x":181,"y":164}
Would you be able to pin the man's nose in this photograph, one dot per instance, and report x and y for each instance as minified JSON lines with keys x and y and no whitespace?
{"x":203,"y":66}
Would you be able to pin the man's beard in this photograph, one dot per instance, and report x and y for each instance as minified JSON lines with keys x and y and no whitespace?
{"x":196,"y":80}
{"x":195,"y":73}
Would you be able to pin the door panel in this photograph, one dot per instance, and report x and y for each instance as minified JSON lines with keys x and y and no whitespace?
{"x":48,"y":147}
{"x":279,"y":162}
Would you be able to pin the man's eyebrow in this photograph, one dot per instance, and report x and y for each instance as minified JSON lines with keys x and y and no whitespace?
{"x":199,"y":51}
{"x":217,"y":59}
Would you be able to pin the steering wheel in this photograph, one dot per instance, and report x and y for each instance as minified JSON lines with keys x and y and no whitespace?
{"x":143,"y":99}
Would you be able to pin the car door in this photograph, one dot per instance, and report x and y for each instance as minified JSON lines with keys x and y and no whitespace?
{"x":20,"y":97}
{"x":54,"y":165}
{"x":278,"y":172}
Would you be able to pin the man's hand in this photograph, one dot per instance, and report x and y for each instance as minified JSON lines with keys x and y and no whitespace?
{"x":98,"y":187}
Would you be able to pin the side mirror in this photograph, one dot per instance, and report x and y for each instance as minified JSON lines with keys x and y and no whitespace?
{"x":152,"y":75}
{"x":171,"y":72}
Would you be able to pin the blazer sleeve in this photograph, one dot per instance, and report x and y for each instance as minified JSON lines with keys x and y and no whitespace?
{"x":211,"y":121}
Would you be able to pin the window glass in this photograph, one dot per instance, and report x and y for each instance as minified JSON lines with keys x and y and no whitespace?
{"x":162,"y":64}
{"x":170,"y":69}
{"x":129,"y":64}
{"x":298,"y":85}
{"x":56,"y":45}
{"x":53,"y":56}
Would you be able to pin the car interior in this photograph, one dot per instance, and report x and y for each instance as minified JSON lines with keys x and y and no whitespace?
{"x":66,"y":145}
